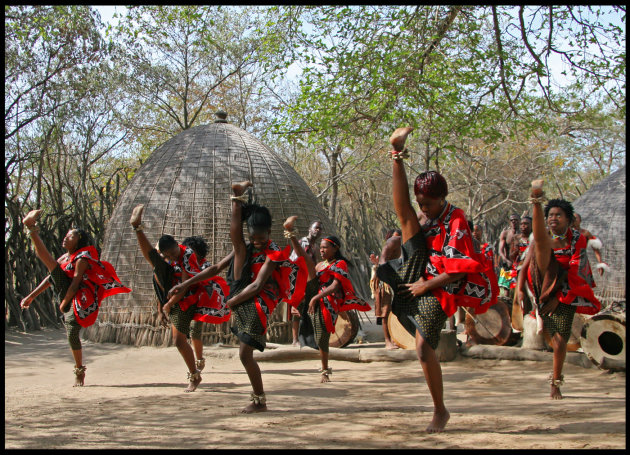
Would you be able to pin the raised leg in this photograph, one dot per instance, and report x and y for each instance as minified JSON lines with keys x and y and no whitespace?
{"x":40,"y":249}
{"x":542,"y":241}
{"x":289,"y":225}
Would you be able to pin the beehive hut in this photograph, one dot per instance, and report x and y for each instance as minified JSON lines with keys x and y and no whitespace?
{"x":185,"y":186}
{"x":603,"y":212}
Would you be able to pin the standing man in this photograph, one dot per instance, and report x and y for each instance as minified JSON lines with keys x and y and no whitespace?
{"x":507,"y":254}
{"x":310,"y":245}
{"x":593,"y":242}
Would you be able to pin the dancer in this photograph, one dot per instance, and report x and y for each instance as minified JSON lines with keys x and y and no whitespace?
{"x":80,"y":279}
{"x":309,"y":244}
{"x":594,"y":243}
{"x":205,"y":302}
{"x":382,"y":292}
{"x":328,"y":291}
{"x":260,"y":275}
{"x":559,"y":275}
{"x":426,"y":296}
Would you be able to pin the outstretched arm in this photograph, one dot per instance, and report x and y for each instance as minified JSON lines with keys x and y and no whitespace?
{"x":41,"y":287}
{"x":206,"y":273}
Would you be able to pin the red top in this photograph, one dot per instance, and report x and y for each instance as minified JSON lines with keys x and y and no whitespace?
{"x":98,"y":282}
{"x":287,"y":281}
{"x":209,"y":295}
{"x":577,"y":290}
{"x":340,"y":301}
{"x":451,"y":250}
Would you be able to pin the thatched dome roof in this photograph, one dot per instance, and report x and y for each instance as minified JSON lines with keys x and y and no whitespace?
{"x":603,"y":212}
{"x":185,"y":188}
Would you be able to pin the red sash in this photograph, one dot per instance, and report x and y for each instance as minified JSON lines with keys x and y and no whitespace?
{"x":99,"y":281}
{"x":342,"y":301}
{"x":287,"y":281}
{"x":451,"y":250}
{"x":209,"y":296}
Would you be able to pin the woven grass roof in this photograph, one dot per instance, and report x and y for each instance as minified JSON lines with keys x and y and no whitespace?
{"x":185,"y":187}
{"x":603,"y":212}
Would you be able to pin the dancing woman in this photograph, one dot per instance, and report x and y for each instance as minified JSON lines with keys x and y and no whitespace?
{"x":454,"y":273}
{"x":559,"y":275}
{"x":206,"y":302}
{"x":260,"y":276}
{"x":328,"y":291}
{"x":80,"y":279}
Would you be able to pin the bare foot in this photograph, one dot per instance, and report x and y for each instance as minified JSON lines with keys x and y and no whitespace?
{"x":195,"y":380}
{"x":537,"y":188}
{"x":555,"y":393}
{"x":398,"y":138}
{"x":136,"y":215}
{"x":289,"y":223}
{"x":325,"y":378}
{"x":240,"y":187}
{"x":31,"y":217}
{"x":389,"y":345}
{"x":439,"y":422}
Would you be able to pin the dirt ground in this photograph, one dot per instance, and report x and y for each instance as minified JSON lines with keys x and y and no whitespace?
{"x":134,"y":399}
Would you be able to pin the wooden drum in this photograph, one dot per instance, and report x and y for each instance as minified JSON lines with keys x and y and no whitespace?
{"x":398,"y":334}
{"x":603,"y":339}
{"x":491,"y":327}
{"x":346,"y":329}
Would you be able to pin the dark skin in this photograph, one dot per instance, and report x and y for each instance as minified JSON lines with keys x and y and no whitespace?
{"x":173,"y":254}
{"x":506,"y":239}
{"x":430,"y":208}
{"x":69,"y":243}
{"x":557,"y":222}
{"x":259,"y":239}
{"x":327,"y":251}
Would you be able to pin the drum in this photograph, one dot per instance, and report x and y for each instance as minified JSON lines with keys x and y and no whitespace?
{"x":603,"y":338}
{"x":573,"y":344}
{"x":491,"y":327}
{"x":346,"y":329}
{"x":398,"y":334}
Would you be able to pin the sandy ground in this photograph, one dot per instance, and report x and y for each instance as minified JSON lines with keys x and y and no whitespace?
{"x":134,"y":399}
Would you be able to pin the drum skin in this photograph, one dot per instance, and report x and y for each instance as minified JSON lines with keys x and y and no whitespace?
{"x":492,"y":327}
{"x":346,"y":329}
{"x":603,"y":340}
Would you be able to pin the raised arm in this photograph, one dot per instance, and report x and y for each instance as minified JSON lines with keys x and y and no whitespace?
{"x":206,"y":273}
{"x":136,"y":221}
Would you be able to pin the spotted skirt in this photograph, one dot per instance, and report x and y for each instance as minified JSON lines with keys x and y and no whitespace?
{"x":423,"y":313}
